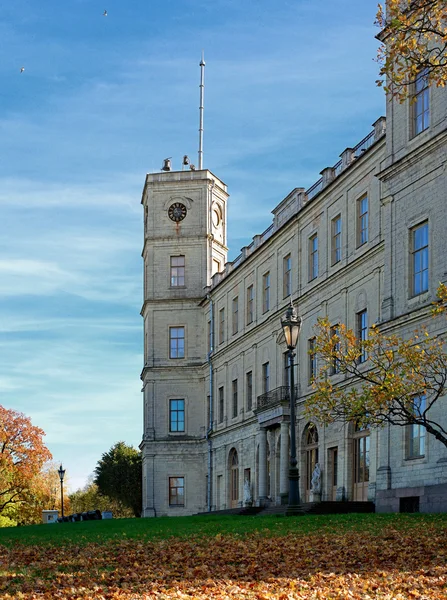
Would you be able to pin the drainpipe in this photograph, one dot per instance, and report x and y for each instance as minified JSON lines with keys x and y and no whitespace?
{"x":211,"y":390}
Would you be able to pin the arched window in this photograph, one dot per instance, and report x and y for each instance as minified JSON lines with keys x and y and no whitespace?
{"x":311,"y":455}
{"x":360,"y":462}
{"x":234,"y":478}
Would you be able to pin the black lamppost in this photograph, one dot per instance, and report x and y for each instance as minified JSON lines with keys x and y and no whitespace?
{"x":61,"y":472}
{"x":291,"y":326}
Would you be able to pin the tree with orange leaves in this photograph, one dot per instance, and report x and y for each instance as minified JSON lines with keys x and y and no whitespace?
{"x":414,"y":40}
{"x":382,"y":379}
{"x":22,"y":456}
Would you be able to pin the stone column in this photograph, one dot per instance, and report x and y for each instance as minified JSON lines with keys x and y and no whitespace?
{"x":262,"y":465}
{"x":284,"y":466}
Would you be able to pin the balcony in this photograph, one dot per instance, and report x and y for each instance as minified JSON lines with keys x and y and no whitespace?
{"x":279,"y":395}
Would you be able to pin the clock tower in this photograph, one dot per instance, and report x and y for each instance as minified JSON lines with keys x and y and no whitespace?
{"x":184,"y":245}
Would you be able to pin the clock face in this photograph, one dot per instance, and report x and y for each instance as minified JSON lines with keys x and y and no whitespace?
{"x":177,"y":212}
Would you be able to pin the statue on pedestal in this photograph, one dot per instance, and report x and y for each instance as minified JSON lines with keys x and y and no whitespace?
{"x":315,"y":485}
{"x":247,"y":493}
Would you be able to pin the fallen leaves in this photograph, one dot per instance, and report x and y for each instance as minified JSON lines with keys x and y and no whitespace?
{"x":393,"y":564}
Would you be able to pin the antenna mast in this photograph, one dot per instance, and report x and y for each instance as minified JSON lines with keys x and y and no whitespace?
{"x":202,"y":86}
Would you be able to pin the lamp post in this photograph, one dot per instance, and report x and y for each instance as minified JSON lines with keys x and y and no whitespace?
{"x":291,"y":326}
{"x":61,"y":473}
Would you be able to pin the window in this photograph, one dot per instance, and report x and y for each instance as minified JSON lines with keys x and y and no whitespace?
{"x":312,"y":359}
{"x":234,"y":389}
{"x":266,"y":292}
{"x":421,"y":106}
{"x":177,"y":415}
{"x":250,"y":298}
{"x":249,"y":389}
{"x":286,"y":369}
{"x":335,"y":368}
{"x":313,"y":257}
{"x":177,"y":271}
{"x":416,"y":433}
{"x":176,"y":342}
{"x":221,"y":404}
{"x":336,"y":240}
{"x":235,"y":315}
{"x":362,"y":221}
{"x":362,"y":332}
{"x":221,"y":326}
{"x":265,"y":377}
{"x":287,"y":276}
{"x":176,"y":491}
{"x":419,"y":260}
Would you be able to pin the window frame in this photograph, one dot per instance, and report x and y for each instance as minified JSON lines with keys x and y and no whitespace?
{"x":265,"y":377}
{"x":221,"y":325}
{"x":335,"y":367}
{"x":420,"y":104}
{"x":249,"y":305}
{"x":336,"y":240}
{"x":249,"y":389}
{"x":362,"y":332}
{"x":173,"y":269}
{"x":234,"y":396}
{"x":221,"y":399}
{"x":266,"y":292}
{"x":423,"y":251}
{"x":287,"y":275}
{"x":362,"y":221}
{"x":235,"y":315}
{"x":172,"y":487}
{"x":416,"y":433}
{"x":313,"y":256}
{"x":179,"y":351}
{"x":176,"y":411}
{"x":312,"y":363}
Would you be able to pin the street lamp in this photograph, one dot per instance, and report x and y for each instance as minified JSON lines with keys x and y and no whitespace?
{"x":61,"y":473}
{"x":291,"y":326}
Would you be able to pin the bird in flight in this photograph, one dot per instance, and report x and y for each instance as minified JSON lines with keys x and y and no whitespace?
{"x":22,"y":69}
{"x":104,"y":14}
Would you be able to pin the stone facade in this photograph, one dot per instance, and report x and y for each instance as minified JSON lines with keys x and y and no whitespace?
{"x":216,"y":410}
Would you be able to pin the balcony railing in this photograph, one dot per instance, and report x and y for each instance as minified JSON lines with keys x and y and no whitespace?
{"x":273,"y":397}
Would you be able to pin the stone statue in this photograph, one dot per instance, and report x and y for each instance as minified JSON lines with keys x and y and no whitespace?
{"x":315,"y":486}
{"x":247,"y":492}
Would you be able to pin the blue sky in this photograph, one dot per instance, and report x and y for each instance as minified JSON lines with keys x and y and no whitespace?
{"x":102,"y":100}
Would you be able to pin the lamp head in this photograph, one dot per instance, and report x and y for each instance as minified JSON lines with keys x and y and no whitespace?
{"x":61,"y":473}
{"x":291,"y":325}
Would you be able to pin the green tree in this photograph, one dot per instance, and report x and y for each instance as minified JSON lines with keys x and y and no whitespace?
{"x":89,"y":498}
{"x":118,"y":475}
{"x":390,"y":379}
{"x":414,"y":40}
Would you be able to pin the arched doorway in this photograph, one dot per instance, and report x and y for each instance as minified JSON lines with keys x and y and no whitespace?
{"x":360,"y":477}
{"x":234,"y":478}
{"x":311,"y":456}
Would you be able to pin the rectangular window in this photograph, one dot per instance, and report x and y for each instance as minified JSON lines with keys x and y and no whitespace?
{"x":313,"y":257}
{"x":266,"y":292}
{"x":362,"y":332}
{"x":312,"y":359}
{"x":221,"y":404}
{"x":249,"y":389}
{"x":176,"y":342}
{"x":335,"y":368}
{"x":362,"y":221}
{"x":234,"y":390}
{"x":250,"y":300}
{"x":265,"y":377}
{"x":221,"y":326}
{"x":177,"y":415}
{"x":235,"y":315}
{"x":286,"y":369}
{"x":421,"y":103}
{"x":419,"y":259}
{"x":336,"y":240}
{"x":416,"y":433}
{"x":176,"y":491}
{"x":287,"y":276}
{"x":177,"y":271}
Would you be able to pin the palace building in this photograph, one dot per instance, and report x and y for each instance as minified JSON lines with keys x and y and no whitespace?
{"x":365,"y":244}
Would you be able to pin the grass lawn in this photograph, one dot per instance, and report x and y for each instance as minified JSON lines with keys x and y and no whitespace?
{"x":313,"y":556}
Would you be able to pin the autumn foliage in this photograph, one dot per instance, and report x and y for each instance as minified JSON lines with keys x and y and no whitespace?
{"x":383,"y":379}
{"x":396,"y":562}
{"x":22,"y":456}
{"x":414,"y":40}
